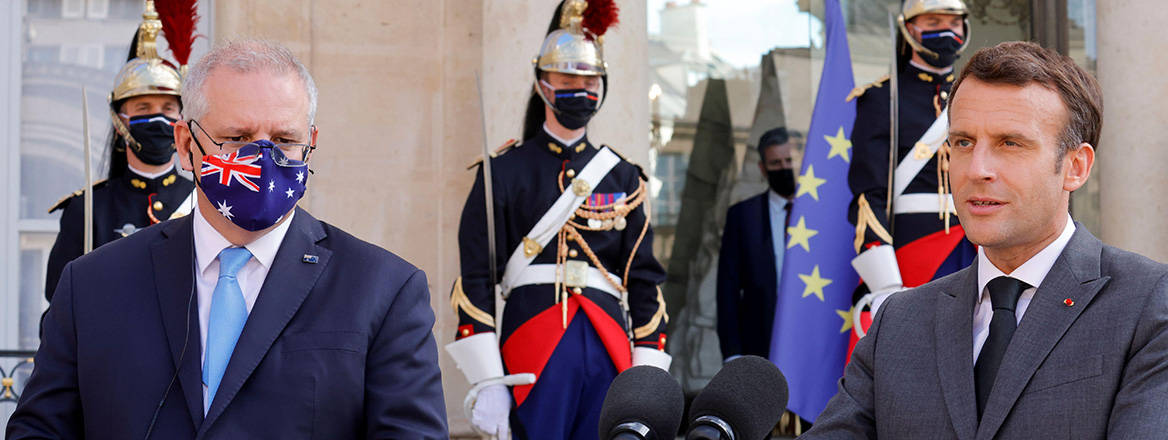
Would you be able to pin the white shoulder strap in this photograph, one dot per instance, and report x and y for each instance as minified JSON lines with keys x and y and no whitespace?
{"x":922,"y":151}
{"x":551,"y":222}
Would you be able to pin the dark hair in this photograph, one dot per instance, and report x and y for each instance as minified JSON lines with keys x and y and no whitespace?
{"x":1020,"y":63}
{"x":774,"y":136}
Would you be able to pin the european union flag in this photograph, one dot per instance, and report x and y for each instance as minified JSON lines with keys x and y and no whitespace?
{"x":813,"y":312}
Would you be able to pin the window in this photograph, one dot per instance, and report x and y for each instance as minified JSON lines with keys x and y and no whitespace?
{"x":61,"y":46}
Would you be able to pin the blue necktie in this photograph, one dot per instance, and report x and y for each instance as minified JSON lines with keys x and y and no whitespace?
{"x":228,"y":314}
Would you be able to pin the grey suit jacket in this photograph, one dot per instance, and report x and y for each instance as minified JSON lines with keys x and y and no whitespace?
{"x":1095,"y":366}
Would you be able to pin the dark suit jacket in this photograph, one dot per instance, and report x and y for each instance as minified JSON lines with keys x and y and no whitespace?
{"x":340,"y":348}
{"x":747,"y":281}
{"x":1093,"y":369}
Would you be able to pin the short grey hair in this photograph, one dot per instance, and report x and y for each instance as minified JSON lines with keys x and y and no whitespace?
{"x":243,"y":56}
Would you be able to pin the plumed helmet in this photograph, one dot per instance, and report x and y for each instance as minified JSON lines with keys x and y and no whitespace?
{"x":576,"y":46}
{"x":146,"y":73}
{"x":912,"y":8}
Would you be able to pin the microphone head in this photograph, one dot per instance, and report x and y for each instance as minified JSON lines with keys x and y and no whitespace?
{"x":644,"y":394}
{"x":749,"y":393}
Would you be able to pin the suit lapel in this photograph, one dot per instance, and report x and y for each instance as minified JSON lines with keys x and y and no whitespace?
{"x":287,"y":285}
{"x":955,"y":350}
{"x":1075,"y":275}
{"x":173,"y":262}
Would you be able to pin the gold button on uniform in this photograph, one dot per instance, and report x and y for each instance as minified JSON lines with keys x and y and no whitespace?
{"x":571,"y":173}
{"x":157,"y":206}
{"x":572,"y":253}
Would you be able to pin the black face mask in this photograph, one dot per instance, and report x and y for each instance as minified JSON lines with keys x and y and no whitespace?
{"x":782,"y":182}
{"x":574,"y":107}
{"x":945,"y":43}
{"x":155,"y":137}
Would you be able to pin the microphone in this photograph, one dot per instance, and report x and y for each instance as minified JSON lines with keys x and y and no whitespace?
{"x":744,"y":401}
{"x":642,"y":403}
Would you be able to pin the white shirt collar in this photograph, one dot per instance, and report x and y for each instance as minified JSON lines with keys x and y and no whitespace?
{"x":209,"y":242}
{"x":931,"y":69}
{"x":776,"y":199}
{"x":1033,"y":271}
{"x":568,"y":143}
{"x":151,"y":175}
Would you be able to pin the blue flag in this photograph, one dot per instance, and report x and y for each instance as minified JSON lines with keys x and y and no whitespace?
{"x":813,"y":312}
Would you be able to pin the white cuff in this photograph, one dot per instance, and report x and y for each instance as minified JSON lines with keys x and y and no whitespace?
{"x":878,"y":268}
{"x":651,"y":356}
{"x":477,"y":356}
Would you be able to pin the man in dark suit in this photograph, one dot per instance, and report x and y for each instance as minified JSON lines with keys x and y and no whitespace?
{"x":751,"y":257}
{"x":248,"y":318}
{"x":1050,"y":334}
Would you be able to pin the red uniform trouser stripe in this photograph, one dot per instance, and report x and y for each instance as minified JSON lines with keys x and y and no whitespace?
{"x":528,"y":349}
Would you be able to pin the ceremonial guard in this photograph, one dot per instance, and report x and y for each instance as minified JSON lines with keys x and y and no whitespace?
{"x":916,"y":238}
{"x":572,"y":254}
{"x":143,"y":186}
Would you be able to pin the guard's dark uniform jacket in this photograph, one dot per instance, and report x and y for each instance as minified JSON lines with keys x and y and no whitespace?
{"x":527,"y":181}
{"x":120,"y":207}
{"x":924,"y":250}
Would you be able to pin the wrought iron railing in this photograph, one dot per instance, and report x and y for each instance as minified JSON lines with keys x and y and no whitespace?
{"x":15,"y":367}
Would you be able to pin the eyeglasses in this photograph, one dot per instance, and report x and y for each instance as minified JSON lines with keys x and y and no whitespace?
{"x":285,"y":154}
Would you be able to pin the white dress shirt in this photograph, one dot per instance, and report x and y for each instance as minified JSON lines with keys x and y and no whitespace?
{"x":208,"y":244}
{"x":778,"y":211}
{"x":566,"y":142}
{"x":1032,"y":272}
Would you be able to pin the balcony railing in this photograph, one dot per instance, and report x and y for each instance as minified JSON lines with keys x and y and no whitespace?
{"x":15,"y":367}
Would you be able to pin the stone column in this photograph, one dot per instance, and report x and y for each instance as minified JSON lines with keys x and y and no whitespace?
{"x":1131,"y":158}
{"x":399,"y":115}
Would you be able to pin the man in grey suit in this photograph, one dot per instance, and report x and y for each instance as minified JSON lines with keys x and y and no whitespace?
{"x":1050,"y":333}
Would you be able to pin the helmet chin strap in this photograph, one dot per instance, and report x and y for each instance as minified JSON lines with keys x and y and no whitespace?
{"x":124,"y":132}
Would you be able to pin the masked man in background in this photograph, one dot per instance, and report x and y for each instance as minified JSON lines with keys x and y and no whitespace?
{"x":144,"y":186}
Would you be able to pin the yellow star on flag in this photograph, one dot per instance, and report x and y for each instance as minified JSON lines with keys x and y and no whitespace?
{"x":800,"y":234}
{"x":814,"y":283}
{"x":840,"y":145}
{"x":847,"y":317}
{"x":809,"y":184}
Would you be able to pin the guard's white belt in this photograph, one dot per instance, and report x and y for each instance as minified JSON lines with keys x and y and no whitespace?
{"x":921,"y":203}
{"x":546,"y":274}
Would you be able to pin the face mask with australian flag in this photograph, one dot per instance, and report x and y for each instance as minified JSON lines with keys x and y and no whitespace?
{"x":251,"y":187}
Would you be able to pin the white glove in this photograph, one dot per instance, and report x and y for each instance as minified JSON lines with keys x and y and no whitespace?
{"x":491,"y":411}
{"x":652,"y":357}
{"x":873,"y":301}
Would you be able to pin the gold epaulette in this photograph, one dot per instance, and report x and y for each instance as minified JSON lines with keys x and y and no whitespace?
{"x":60,"y":204}
{"x":859,"y":91}
{"x":498,"y":152}
{"x":618,"y":154}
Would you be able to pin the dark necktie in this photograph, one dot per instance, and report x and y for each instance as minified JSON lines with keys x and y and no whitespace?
{"x":1004,"y":293}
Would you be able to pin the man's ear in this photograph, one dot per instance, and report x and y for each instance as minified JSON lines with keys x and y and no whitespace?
{"x":182,"y":143}
{"x":1077,"y":166}
{"x":315,"y":131}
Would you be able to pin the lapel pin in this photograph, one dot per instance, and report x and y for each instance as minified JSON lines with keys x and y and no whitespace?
{"x":313,"y":259}
{"x":1069,"y":302}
